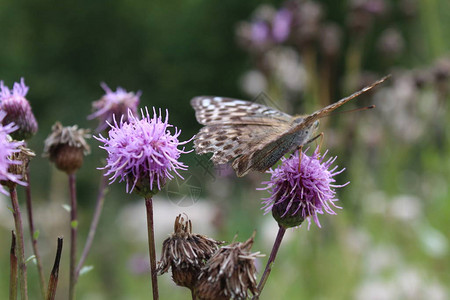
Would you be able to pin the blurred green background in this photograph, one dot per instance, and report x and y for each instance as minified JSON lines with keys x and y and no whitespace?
{"x":390,"y":240}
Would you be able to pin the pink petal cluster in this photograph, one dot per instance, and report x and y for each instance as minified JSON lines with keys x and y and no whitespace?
{"x":113,"y":104}
{"x":142,"y":149}
{"x":303,"y":193}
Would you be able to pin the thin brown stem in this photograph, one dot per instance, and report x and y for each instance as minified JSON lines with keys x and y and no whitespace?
{"x":53,"y":282}
{"x":33,"y":234}
{"x":151,"y":246}
{"x":13,"y":268}
{"x":273,"y":254}
{"x":94,"y":223}
{"x":73,"y":235}
{"x":20,"y":244}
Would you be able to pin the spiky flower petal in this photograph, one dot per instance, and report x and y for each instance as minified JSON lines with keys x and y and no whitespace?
{"x":142,"y":152}
{"x":113,"y":104}
{"x":18,"y":110}
{"x":302,"y":193}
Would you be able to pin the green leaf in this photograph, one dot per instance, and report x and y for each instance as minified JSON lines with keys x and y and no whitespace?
{"x":66,"y":207}
{"x":36,"y":235}
{"x":74,"y":224}
{"x":86,"y":269}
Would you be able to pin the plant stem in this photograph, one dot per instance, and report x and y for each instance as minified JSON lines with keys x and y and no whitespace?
{"x":13,"y":268}
{"x":273,"y":254}
{"x":151,"y":246}
{"x":33,"y":235}
{"x":53,"y":282}
{"x":73,"y":235}
{"x":193,"y":294}
{"x":94,"y":224}
{"x":20,"y":243}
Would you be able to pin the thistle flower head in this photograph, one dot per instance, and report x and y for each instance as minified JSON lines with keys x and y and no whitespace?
{"x":302,"y":194}
{"x":186,"y":253}
{"x":143,"y":152}
{"x":18,"y":110}
{"x":8,"y":148}
{"x":66,"y":147}
{"x":113,"y":104}
{"x":229,"y":274}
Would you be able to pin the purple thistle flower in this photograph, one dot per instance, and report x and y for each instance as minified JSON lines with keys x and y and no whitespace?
{"x":142,"y":152}
{"x":18,"y":110}
{"x":281,"y":25}
{"x":7,"y":149}
{"x":113,"y":104}
{"x":260,"y":32}
{"x":296,"y":196}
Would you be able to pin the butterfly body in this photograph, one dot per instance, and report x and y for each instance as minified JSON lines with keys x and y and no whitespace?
{"x":254,"y":135}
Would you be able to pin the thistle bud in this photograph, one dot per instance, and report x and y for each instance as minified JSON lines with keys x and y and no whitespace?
{"x":18,"y":110}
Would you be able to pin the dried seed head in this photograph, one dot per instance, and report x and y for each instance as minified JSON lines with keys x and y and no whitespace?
{"x":18,"y":168}
{"x":186,"y":253}
{"x":66,"y":147}
{"x":229,"y":273}
{"x":24,"y":155}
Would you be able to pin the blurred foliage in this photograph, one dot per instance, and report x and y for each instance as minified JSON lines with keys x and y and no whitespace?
{"x":174,"y":50}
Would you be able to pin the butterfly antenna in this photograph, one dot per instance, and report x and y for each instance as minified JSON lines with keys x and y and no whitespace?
{"x":350,"y":111}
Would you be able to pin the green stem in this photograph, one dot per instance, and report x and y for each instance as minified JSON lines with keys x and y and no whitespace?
{"x":273,"y":254}
{"x":33,"y":236}
{"x":13,"y":268}
{"x":94,"y":223}
{"x":20,"y":244}
{"x":73,"y":235}
{"x":151,"y":246}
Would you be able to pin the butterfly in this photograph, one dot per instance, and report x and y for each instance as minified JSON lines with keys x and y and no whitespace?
{"x":254,"y":135}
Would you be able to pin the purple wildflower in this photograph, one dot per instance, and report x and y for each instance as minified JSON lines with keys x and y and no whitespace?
{"x":142,"y":152}
{"x":297,"y":195}
{"x":18,"y":110}
{"x":281,"y":27}
{"x":7,"y":149}
{"x":113,"y":104}
{"x":260,"y":32}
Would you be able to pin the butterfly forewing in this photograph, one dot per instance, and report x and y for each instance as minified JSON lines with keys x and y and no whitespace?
{"x":220,"y":111}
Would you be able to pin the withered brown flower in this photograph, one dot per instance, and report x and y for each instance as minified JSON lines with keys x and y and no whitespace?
{"x":66,"y":147}
{"x":186,"y":253}
{"x":229,"y":273}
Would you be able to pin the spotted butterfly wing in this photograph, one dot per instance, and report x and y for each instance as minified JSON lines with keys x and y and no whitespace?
{"x":255,"y":135}
{"x":235,"y":127}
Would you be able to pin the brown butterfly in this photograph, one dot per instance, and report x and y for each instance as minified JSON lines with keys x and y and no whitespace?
{"x":254,"y":135}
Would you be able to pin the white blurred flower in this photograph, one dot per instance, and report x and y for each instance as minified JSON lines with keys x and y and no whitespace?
{"x":132,"y":222}
{"x":253,"y":83}
{"x":287,"y":68}
{"x":357,"y":240}
{"x":406,"y":208}
{"x":381,"y":258}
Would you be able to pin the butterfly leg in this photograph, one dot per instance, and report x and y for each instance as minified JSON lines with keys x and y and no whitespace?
{"x":321,"y":135}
